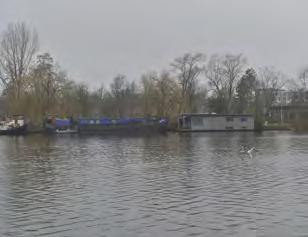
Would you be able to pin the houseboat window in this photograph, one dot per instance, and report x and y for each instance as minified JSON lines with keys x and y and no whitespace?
{"x":229,"y":119}
{"x":198,"y":121}
{"x":187,"y":122}
{"x":244,"y":119}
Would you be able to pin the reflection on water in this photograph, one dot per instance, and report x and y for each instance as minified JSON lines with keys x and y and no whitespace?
{"x":174,"y":185}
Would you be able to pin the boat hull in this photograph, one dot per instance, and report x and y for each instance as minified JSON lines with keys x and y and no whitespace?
{"x":15,"y":131}
{"x":121,"y":129}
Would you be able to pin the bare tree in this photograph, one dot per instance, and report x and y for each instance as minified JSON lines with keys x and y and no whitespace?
{"x":124,"y":94}
{"x":150,"y":93}
{"x":303,"y":79}
{"x":187,"y":69}
{"x":118,"y":92}
{"x":215,"y":76}
{"x":223,"y":73}
{"x":160,"y":94}
{"x":17,"y":49}
{"x":270,"y":82}
{"x":83,"y":99}
{"x":232,"y":70}
{"x":298,"y":87}
{"x":168,"y":95}
{"x":45,"y":81}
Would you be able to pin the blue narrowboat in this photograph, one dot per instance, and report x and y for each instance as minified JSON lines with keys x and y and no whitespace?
{"x":122,"y":125}
{"x":106,"y":125}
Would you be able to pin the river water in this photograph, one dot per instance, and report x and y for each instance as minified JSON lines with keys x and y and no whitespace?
{"x":174,"y":185}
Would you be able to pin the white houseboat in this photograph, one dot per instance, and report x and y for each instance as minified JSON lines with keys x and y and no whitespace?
{"x":13,"y":125}
{"x":215,"y":122}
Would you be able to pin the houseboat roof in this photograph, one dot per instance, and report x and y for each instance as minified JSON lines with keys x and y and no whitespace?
{"x":215,"y":115}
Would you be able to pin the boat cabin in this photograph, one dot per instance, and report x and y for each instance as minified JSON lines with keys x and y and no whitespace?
{"x":13,"y":125}
{"x":215,"y":122}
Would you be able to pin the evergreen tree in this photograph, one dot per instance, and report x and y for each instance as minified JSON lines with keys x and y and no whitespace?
{"x":246,"y":91}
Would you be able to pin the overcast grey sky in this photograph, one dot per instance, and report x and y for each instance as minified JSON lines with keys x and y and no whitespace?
{"x":96,"y":39}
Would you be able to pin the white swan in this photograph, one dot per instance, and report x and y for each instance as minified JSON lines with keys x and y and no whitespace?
{"x":250,"y":151}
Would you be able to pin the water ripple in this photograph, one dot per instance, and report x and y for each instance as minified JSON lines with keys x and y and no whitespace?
{"x":175,"y":185}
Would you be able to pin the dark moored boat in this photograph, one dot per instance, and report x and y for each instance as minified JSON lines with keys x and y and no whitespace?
{"x":14,"y":125}
{"x":60,"y":125}
{"x":126,"y":126}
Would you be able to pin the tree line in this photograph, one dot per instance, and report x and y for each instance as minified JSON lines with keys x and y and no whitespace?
{"x":34,"y":85}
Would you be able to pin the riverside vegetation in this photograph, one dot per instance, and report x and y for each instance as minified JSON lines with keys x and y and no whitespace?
{"x":33,"y":84}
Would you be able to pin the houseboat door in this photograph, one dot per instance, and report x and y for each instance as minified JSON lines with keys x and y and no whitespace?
{"x":185,"y":122}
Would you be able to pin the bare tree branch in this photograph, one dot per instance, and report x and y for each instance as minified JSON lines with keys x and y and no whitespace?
{"x":187,"y":69}
{"x":223,"y":73}
{"x":17,"y":49}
